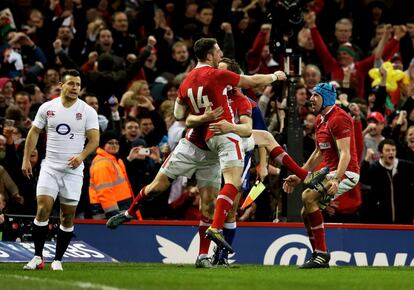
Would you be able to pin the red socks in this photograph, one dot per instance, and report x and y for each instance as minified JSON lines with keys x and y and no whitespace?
{"x":280,"y":156}
{"x":223,"y":204}
{"x":204,"y":242}
{"x":136,"y":202}
{"x":318,"y":230}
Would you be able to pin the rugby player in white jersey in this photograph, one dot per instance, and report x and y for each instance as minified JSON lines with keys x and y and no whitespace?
{"x":68,"y":122}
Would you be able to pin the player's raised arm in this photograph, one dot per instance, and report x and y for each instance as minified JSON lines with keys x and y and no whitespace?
{"x":257,"y":80}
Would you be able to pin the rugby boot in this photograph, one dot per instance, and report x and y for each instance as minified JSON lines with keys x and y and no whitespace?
{"x":223,"y":262}
{"x":203,"y":263}
{"x":217,"y":236}
{"x":117,"y":220}
{"x":318,"y":260}
{"x":216,"y":256}
{"x":315,"y":178}
{"x":56,"y":265}
{"x":36,"y":263}
{"x":311,"y":257}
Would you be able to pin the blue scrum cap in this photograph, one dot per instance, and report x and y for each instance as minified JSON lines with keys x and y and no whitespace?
{"x":328,"y":93}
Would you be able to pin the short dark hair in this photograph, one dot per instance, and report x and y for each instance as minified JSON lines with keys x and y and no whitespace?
{"x":130,"y":119}
{"x":385,"y":141}
{"x":299,"y":86}
{"x":30,"y":89}
{"x":232,"y":65}
{"x":204,"y":46}
{"x":167,"y":87}
{"x":69,"y":72}
{"x":23,"y":93}
{"x":203,"y":6}
{"x":143,"y":115}
{"x":88,"y":94}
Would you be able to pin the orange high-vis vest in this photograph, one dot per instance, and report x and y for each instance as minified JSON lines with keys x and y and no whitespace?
{"x":109,"y":182}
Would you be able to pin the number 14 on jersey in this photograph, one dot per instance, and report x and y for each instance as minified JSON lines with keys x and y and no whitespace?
{"x":202,"y":101}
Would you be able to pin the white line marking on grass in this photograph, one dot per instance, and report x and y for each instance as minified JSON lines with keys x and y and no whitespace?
{"x":84,"y":285}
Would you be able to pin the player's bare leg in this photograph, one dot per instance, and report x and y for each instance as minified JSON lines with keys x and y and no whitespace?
{"x":277,"y":153}
{"x":158,"y":185}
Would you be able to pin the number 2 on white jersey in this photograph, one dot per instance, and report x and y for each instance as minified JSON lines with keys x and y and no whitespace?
{"x":202,"y":101}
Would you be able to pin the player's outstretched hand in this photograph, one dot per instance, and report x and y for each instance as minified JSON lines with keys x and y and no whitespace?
{"x":290,"y":183}
{"x":281,"y":76}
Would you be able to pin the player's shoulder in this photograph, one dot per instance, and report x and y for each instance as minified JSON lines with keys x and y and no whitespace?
{"x":81,"y":103}
{"x":88,"y":110}
{"x":84,"y":106}
{"x":50,"y":104}
{"x":209,"y":72}
{"x":340,"y":114}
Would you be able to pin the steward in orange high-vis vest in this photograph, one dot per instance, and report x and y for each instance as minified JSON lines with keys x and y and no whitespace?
{"x":109,"y":187}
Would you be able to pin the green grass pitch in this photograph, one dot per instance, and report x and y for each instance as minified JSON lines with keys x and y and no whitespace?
{"x":120,"y":276}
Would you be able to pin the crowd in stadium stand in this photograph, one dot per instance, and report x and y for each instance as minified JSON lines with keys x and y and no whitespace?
{"x":133,"y":54}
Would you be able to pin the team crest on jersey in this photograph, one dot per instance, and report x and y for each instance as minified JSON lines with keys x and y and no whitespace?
{"x":78,"y":116}
{"x":326,"y":145}
{"x":50,"y":114}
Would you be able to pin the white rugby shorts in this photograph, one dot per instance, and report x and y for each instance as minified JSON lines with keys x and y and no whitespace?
{"x":349,"y":181}
{"x":53,"y":183}
{"x":229,"y":149}
{"x":248,"y":143}
{"x":188,"y":159}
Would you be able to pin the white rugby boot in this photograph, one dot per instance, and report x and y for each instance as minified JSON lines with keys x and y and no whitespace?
{"x":36,"y":263}
{"x":56,"y":265}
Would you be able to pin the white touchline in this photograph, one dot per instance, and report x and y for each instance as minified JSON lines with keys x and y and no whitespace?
{"x":84,"y":285}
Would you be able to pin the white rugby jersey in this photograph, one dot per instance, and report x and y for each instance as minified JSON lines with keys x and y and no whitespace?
{"x":66,"y":131}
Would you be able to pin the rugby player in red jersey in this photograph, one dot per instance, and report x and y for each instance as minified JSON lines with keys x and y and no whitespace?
{"x":205,"y":87}
{"x":241,"y":109}
{"x":335,"y":146}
